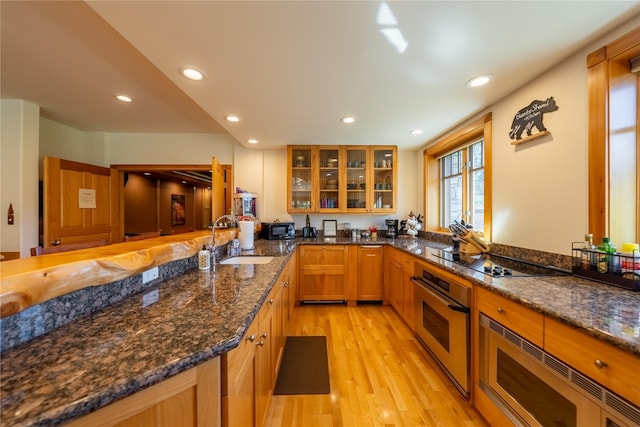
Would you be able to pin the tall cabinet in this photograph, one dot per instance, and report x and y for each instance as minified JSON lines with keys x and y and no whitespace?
{"x":342,"y":179}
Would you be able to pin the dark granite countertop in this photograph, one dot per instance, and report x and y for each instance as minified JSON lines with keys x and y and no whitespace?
{"x":125,"y":347}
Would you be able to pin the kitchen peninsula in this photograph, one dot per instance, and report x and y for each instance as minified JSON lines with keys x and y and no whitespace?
{"x":115,"y":352}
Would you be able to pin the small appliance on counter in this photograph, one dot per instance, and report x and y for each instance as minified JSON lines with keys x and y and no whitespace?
{"x":308,"y":231}
{"x":392,"y":228}
{"x":278,"y":230}
{"x":244,"y":204}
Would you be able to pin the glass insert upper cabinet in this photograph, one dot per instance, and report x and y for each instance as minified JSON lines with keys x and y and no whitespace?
{"x":356,"y":179}
{"x":384,"y":178}
{"x":329,"y":179}
{"x":301,"y":173}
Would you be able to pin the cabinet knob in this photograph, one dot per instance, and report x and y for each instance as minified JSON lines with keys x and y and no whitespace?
{"x":286,"y":284}
{"x":263,"y":335}
{"x":270,"y":301}
{"x":600,"y":364}
{"x":261,"y":343}
{"x":501,"y":310}
{"x":251,"y":338}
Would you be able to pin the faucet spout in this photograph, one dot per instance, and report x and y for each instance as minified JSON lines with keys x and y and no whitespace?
{"x":232,"y":218}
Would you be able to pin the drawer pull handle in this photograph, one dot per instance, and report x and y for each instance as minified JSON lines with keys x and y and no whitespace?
{"x":600,"y":364}
{"x":501,"y":310}
{"x":251,"y":338}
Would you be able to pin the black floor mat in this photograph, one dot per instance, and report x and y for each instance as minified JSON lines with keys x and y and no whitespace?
{"x":304,"y":368}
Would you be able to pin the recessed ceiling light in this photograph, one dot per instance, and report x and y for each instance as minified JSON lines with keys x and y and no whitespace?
{"x":479,"y":81}
{"x":348,"y":119}
{"x":147,"y":173}
{"x":232,"y":118}
{"x":192,"y":73}
{"x":124,"y":98}
{"x":252,"y":141}
{"x":416,"y":132}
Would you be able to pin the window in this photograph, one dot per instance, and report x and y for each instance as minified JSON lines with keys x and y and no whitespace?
{"x":462,"y":191}
{"x":455,"y":185}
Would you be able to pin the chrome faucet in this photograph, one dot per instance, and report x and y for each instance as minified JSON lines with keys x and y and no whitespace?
{"x":213,"y":236}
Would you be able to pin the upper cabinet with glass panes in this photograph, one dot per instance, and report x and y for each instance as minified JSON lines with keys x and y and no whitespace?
{"x":351,"y":179}
{"x":301,"y":172}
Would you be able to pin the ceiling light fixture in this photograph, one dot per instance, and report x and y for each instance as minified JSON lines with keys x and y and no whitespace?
{"x":252,"y":141}
{"x":416,"y":132}
{"x":192,"y":73}
{"x":232,"y":118}
{"x":479,"y":81}
{"x":124,"y":98}
{"x":348,"y":119}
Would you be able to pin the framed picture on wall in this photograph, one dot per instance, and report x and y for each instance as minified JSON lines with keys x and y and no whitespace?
{"x":177,"y":209}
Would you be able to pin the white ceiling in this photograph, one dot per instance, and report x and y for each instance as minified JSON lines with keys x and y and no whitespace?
{"x":289,"y":69}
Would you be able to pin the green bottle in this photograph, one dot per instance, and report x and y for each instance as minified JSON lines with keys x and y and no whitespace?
{"x":606,"y":249}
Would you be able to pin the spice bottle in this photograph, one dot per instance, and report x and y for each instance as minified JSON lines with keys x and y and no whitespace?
{"x":589,"y":260}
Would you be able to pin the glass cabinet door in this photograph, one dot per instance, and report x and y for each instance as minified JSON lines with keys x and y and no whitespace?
{"x":329,"y":178}
{"x":300,"y":189}
{"x":356,"y":184}
{"x":384,"y":179}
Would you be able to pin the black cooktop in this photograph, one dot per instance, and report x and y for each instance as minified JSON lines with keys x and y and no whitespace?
{"x":500,"y":266}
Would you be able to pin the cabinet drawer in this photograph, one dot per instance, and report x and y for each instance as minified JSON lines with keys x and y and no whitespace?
{"x":523,"y":321}
{"x":325,"y":255}
{"x":613,"y":368}
{"x":402,"y":259}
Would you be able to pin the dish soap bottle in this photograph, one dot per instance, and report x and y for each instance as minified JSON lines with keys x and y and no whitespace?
{"x":204,"y":259}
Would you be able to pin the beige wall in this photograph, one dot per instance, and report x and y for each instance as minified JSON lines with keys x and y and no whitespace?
{"x":540,"y":188}
{"x":19,"y":136}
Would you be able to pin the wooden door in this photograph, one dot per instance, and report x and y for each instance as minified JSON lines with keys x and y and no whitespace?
{"x":80,"y":203}
{"x":218,"y":204}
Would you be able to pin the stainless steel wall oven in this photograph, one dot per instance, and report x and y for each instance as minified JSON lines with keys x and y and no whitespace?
{"x":533,"y":388}
{"x":441,"y":310}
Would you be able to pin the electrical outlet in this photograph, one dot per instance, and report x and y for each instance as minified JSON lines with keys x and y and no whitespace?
{"x":150,"y":298}
{"x":149,"y":275}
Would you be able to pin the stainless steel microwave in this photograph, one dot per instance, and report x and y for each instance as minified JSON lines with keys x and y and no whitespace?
{"x":278,"y":230}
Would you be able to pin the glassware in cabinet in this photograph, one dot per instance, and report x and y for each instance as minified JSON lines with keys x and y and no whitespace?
{"x":384,"y":178}
{"x":300,"y":192}
{"x":329,"y":181}
{"x":356,"y":185}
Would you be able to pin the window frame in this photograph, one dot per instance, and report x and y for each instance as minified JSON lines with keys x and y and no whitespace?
{"x":465,"y":136}
{"x":607,"y":69}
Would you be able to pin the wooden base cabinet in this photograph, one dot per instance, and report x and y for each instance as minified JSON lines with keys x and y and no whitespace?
{"x":249,"y":371}
{"x":398,"y":287}
{"x":191,"y":398}
{"x":323,"y":273}
{"x":369,"y":287}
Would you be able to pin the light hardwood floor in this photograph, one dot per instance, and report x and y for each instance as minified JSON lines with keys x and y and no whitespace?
{"x":380,"y":376}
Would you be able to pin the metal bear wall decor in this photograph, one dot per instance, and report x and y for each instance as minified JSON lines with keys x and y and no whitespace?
{"x":531,"y":116}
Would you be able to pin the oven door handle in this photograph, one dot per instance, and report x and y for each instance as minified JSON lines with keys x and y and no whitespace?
{"x":460,"y":308}
{"x":455,"y":307}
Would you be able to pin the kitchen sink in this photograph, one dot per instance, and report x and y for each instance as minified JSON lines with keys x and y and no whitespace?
{"x":248,"y":259}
